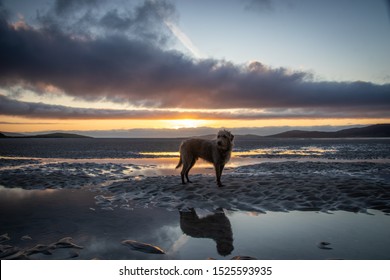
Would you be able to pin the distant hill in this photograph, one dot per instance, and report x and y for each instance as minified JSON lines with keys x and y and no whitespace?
{"x":378,"y":130}
{"x":58,"y":135}
{"x":372,"y":131}
{"x":12,"y":134}
{"x":49,"y":135}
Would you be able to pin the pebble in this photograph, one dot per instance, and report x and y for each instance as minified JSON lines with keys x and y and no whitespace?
{"x":4,"y":237}
{"x":67,"y":242}
{"x":26,"y":237}
{"x":41,"y":248}
{"x":8,"y":252}
{"x":143,"y":247}
{"x":324,"y":245}
{"x":243,"y":258}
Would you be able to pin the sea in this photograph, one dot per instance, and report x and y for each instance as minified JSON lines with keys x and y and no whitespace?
{"x":266,"y":148}
{"x":282,"y":199}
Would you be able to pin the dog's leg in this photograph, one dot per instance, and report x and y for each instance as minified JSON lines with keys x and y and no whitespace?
{"x":188,"y":162}
{"x":183,"y":170}
{"x":218,"y":173}
{"x":182,"y":177}
{"x":189,"y":168}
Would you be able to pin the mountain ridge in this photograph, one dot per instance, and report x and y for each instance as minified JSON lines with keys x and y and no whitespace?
{"x":374,"y":131}
{"x":48,"y":135}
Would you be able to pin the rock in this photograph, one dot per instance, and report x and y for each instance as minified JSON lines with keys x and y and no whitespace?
{"x":5,"y":254}
{"x":67,"y":242}
{"x":26,"y":237}
{"x":5,"y":247}
{"x":243,"y":258}
{"x":4,"y":237}
{"x":40,"y":248}
{"x":143,"y":247}
{"x":324,"y":245}
{"x":18,"y":255}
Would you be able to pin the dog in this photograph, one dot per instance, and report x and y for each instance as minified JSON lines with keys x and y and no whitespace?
{"x":216,"y":151}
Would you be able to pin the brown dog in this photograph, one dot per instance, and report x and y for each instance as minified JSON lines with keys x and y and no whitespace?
{"x":216,"y":151}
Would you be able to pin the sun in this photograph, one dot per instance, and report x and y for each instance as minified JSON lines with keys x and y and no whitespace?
{"x":185,"y":123}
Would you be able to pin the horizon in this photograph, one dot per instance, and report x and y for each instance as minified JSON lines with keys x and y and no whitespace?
{"x":145,"y":67}
{"x":187,"y":132}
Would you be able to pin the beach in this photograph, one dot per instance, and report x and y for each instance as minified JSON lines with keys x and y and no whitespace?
{"x":290,"y":199}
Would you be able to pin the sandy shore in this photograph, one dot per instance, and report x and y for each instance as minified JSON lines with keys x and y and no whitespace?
{"x":268,"y":186}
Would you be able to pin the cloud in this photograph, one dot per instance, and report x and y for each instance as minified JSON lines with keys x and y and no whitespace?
{"x":3,"y":11}
{"x":28,"y":123}
{"x":146,"y":21}
{"x":88,"y":19}
{"x":41,"y":110}
{"x":184,"y":39}
{"x":68,"y":6}
{"x":12,"y":107}
{"x":130,"y":69}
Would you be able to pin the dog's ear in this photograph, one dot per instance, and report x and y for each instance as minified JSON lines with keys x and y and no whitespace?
{"x":231,"y":137}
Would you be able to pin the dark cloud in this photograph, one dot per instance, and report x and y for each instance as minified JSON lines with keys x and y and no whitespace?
{"x":68,"y":6}
{"x":146,"y":21}
{"x":46,"y":111}
{"x":14,"y":107}
{"x":97,"y":18}
{"x":114,"y":20}
{"x":131,"y":69}
{"x":4,"y":13}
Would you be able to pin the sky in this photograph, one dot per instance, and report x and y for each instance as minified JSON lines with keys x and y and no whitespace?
{"x":125,"y":68}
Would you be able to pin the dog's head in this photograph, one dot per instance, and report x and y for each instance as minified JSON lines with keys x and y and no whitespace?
{"x":225,"y":140}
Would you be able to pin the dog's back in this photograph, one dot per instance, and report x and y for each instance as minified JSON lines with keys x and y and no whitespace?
{"x":195,"y":148}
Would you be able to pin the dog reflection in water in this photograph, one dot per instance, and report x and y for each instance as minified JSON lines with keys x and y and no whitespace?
{"x":216,"y":226}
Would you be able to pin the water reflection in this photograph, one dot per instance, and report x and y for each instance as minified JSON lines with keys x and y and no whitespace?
{"x":48,"y":216}
{"x":216,"y":226}
{"x":302,"y":151}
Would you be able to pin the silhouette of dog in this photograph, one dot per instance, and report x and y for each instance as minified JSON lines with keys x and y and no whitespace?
{"x":216,"y":151}
{"x":216,"y":226}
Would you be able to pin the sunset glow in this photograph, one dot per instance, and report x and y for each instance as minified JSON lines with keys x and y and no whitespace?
{"x":185,"y":123}
{"x":144,"y":66}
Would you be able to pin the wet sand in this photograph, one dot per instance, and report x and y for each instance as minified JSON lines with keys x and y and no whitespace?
{"x":269,"y":186}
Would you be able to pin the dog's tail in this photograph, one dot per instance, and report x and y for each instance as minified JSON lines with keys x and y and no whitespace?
{"x":179,"y":164}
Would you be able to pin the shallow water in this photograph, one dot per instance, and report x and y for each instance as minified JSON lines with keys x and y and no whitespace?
{"x":375,"y":148}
